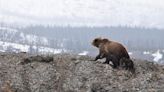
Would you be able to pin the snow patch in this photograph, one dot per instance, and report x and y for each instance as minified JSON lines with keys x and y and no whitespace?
{"x":157,"y":56}
{"x":83,"y":53}
{"x":2,"y":50}
{"x":12,"y":35}
{"x":34,"y":47}
{"x":32,"y":38}
{"x":22,"y":35}
{"x":14,"y":47}
{"x":49,"y":50}
{"x":44,"y":40}
{"x":7,"y":45}
{"x":146,"y":52}
{"x":10,"y":30}
{"x":130,"y":53}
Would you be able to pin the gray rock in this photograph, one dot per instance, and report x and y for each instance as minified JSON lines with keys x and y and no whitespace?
{"x":73,"y":73}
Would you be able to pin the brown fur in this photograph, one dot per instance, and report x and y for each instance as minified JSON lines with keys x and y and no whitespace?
{"x":107,"y":48}
{"x":127,"y":64}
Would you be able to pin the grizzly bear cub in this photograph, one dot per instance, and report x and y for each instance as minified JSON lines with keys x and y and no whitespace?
{"x":112,"y":51}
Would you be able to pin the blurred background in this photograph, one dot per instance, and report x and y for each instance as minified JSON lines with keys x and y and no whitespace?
{"x":69,"y":26}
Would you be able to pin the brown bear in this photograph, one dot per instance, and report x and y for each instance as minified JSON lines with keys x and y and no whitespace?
{"x":113,"y":59}
{"x":112,"y":51}
{"x":127,"y":64}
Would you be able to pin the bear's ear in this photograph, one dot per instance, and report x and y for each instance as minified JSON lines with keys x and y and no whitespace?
{"x":97,"y":39}
{"x":105,"y":40}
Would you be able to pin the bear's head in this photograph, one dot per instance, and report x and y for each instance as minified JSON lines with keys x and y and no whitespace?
{"x":96,"y":42}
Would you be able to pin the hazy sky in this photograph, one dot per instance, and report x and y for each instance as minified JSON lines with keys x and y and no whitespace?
{"x":142,"y":13}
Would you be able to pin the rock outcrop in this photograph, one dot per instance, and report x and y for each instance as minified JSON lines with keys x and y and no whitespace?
{"x":73,"y":73}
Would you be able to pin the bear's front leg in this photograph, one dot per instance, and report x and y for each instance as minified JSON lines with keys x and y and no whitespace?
{"x":97,"y":57}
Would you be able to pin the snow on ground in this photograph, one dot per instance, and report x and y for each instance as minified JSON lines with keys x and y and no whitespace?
{"x":146,"y":52}
{"x":157,"y":56}
{"x":30,"y":38}
{"x":83,"y":53}
{"x":10,"y":30}
{"x":130,"y":53}
{"x":2,"y":50}
{"x":11,"y":34}
{"x":50,"y":50}
{"x":4,"y":46}
{"x":9,"y":45}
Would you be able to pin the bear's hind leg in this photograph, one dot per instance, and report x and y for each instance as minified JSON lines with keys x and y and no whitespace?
{"x":114,"y":61}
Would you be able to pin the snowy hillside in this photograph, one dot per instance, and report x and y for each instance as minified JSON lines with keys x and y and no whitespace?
{"x":41,"y":39}
{"x":12,"y":40}
{"x":13,"y":35}
{"x":13,"y":47}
